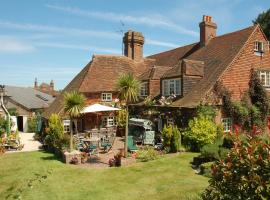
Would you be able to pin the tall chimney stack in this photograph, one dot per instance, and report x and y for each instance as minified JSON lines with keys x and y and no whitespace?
{"x":207,"y":30}
{"x":133,"y":45}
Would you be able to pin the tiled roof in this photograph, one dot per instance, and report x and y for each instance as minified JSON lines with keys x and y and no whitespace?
{"x":156,"y":72}
{"x":217,"y":56}
{"x":100,"y":75}
{"x":172,"y":57}
{"x":29,"y":97}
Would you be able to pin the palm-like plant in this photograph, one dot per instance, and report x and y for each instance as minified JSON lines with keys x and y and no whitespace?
{"x":74,"y":102}
{"x":128,"y":87}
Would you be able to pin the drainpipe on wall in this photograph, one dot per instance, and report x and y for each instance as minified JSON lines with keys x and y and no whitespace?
{"x":2,"y":88}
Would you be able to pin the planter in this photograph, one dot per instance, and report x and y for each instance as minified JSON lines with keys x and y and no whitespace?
{"x":68,"y":156}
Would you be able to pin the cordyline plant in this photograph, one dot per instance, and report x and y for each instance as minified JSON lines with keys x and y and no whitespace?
{"x":244,"y":173}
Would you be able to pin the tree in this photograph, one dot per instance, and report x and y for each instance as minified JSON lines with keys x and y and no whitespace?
{"x":128,"y":87}
{"x":73,"y":105}
{"x":55,"y":131}
{"x":264,"y":20}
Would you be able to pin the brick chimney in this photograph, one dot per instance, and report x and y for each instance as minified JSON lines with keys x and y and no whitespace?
{"x":52,"y":85}
{"x":36,"y":84}
{"x":133,"y":45}
{"x":207,"y":30}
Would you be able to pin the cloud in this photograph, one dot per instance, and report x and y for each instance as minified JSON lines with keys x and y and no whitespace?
{"x":13,"y":45}
{"x":160,"y":43}
{"x":62,"y":30}
{"x":79,"y":47}
{"x":155,"y":20}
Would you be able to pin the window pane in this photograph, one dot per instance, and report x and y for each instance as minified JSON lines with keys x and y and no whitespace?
{"x":177,"y":87}
{"x":172,"y":84}
{"x":267,"y":78}
{"x":165,"y":88}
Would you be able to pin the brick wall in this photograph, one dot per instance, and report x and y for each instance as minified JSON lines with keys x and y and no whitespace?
{"x":93,"y":98}
{"x":236,"y":77}
{"x":154,"y":87}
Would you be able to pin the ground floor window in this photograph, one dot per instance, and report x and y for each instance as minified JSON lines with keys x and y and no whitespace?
{"x":108,"y":121}
{"x":227,"y":124}
{"x":66,"y":126}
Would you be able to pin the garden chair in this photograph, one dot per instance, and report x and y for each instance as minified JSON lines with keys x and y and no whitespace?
{"x":93,"y":148}
{"x":107,"y":143}
{"x":131,"y":146}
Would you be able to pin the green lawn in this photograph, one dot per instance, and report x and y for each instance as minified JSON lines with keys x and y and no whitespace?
{"x":170,"y":177}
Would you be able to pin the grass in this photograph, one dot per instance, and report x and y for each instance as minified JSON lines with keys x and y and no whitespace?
{"x":39,"y":175}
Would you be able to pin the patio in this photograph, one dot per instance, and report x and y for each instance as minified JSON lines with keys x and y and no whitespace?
{"x":102,"y":159}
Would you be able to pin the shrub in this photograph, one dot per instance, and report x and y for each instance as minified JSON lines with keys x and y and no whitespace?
{"x":147,"y":154}
{"x":214,"y":151}
{"x":55,"y":130}
{"x":166,"y":136}
{"x":200,"y":131}
{"x":243,"y":174}
{"x":32,"y":124}
{"x":205,"y":169}
{"x":175,"y":140}
{"x":121,"y":118}
{"x":3,"y":126}
{"x":206,"y":111}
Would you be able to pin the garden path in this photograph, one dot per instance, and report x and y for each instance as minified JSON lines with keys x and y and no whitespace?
{"x":30,"y":144}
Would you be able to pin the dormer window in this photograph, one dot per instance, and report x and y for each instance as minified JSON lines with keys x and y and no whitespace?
{"x":258,"y":47}
{"x":106,"y":97}
{"x":171,"y":86}
{"x":144,"y":89}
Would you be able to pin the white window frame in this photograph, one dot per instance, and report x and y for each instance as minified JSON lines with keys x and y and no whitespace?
{"x":227,"y":124}
{"x":144,"y":90}
{"x":66,"y":124}
{"x":265,"y":78}
{"x":107,"y":97}
{"x":108,"y":121}
{"x":170,"y":86}
{"x":258,"y":46}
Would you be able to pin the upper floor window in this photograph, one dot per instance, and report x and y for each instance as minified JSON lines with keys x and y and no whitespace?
{"x":227,"y":124}
{"x":265,"y":78}
{"x":144,"y":89}
{"x":258,"y":46}
{"x":171,"y":86}
{"x":106,"y":97}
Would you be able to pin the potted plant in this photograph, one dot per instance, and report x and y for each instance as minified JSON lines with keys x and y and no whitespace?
{"x":84,"y":157}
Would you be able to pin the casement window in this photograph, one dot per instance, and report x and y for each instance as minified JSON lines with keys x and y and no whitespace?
{"x":265,"y":78}
{"x":227,"y":124}
{"x":106,"y":97}
{"x":258,"y":46}
{"x":66,"y":124}
{"x":144,"y":89}
{"x":171,"y":86}
{"x":108,"y":121}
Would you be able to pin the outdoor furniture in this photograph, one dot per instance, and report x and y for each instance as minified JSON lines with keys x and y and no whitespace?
{"x":103,"y":132}
{"x":93,"y":147}
{"x":107,"y":143}
{"x":94,"y":133}
{"x":131,"y":146}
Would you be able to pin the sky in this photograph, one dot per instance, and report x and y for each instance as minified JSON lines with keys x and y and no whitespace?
{"x":55,"y":39}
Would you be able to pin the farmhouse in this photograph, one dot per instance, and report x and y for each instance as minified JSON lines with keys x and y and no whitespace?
{"x":179,"y":79}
